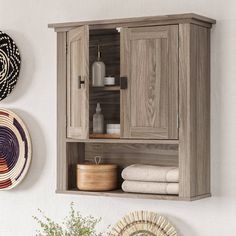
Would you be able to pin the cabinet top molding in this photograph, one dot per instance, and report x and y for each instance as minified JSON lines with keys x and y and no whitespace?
{"x":138,"y":21}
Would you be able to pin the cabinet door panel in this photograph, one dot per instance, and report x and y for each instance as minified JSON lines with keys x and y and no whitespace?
{"x":149,"y":58}
{"x":77,"y":83}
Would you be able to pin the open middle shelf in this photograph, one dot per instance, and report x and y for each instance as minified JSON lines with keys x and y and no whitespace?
{"x":107,"y":88}
{"x":123,"y":153}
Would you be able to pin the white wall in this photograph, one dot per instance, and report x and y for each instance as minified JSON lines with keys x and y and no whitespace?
{"x":34,"y":99}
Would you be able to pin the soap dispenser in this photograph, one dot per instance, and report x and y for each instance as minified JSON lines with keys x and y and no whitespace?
{"x":98,"y":71}
{"x":98,"y":121}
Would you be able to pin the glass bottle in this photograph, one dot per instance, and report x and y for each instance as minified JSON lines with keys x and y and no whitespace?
{"x":98,"y":71}
{"x":98,"y":121}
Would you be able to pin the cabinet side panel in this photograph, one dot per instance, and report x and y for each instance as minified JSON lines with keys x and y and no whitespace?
{"x":61,"y":112}
{"x":184,"y":106}
{"x":202,"y":118}
{"x":194,"y":148}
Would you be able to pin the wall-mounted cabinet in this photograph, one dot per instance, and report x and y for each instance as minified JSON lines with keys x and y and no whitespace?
{"x":161,"y":98}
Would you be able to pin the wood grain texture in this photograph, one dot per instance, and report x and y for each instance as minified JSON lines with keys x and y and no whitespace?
{"x":78,"y":95}
{"x":109,"y":42}
{"x":194,"y":146}
{"x":127,"y":154}
{"x":124,"y":95}
{"x":139,"y":21}
{"x":75,"y":155}
{"x":150,"y":104}
{"x":107,"y":88}
{"x":189,"y":149}
{"x":120,"y":194}
{"x":97,"y":177}
{"x":61,"y":112}
{"x":127,"y":141}
{"x":104,"y":136}
{"x":110,"y":105}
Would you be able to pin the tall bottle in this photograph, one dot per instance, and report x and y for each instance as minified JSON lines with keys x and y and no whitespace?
{"x":98,"y":121}
{"x":98,"y":71}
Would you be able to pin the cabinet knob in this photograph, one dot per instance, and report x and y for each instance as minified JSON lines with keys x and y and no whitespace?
{"x":80,"y":82}
{"x":123,"y":82}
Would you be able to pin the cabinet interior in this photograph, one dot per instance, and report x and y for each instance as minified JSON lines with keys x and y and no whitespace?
{"x":109,"y":96}
{"x":121,"y":154}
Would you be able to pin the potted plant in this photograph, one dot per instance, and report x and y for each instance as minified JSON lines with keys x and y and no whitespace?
{"x":73,"y":225}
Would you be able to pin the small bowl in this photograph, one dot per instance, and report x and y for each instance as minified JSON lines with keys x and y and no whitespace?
{"x":109,"y":80}
{"x":113,"y":128}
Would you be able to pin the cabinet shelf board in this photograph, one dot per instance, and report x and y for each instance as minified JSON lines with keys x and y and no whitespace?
{"x":106,"y":88}
{"x":121,"y":194}
{"x":104,"y":136}
{"x":144,"y":141}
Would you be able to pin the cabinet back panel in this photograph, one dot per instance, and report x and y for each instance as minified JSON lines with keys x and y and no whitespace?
{"x":110,"y":104}
{"x":110,"y":51}
{"x":127,"y":154}
{"x":109,"y":41}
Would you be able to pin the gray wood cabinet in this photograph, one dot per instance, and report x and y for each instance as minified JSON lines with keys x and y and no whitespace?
{"x":164,"y":110}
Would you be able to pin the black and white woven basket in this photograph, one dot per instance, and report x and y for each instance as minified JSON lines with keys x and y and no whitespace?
{"x":9,"y":65}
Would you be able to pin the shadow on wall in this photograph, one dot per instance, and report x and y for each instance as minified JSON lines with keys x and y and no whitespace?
{"x":217,"y":114}
{"x":39,"y":151}
{"x":178,"y":221}
{"x":26,"y":72}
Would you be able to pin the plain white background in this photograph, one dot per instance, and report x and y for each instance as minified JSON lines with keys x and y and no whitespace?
{"x":34,"y":99}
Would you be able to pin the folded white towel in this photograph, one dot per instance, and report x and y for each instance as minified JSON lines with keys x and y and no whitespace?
{"x":150,"y":187}
{"x":151,"y":173}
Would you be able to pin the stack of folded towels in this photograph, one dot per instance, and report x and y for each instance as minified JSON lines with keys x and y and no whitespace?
{"x":151,"y":179}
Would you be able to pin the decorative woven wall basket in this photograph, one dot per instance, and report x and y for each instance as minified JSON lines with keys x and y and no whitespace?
{"x":143,"y":223}
{"x":9,"y":65}
{"x":15,"y":150}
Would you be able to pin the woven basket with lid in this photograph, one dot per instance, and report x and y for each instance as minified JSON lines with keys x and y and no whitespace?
{"x":96,"y":177}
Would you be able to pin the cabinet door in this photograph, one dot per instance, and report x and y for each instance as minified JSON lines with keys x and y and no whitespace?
{"x":149,"y":60}
{"x":78,"y":83}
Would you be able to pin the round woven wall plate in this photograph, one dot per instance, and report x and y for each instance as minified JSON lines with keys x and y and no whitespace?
{"x":15,"y":150}
{"x":9,"y":65}
{"x":143,"y":223}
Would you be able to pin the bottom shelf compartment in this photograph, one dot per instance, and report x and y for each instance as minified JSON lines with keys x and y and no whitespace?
{"x":121,"y":194}
{"x":122,"y":155}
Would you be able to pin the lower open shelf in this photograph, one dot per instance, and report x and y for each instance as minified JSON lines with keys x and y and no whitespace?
{"x":122,"y":154}
{"x":122,"y":194}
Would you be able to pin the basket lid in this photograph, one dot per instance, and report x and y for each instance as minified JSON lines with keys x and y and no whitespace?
{"x":89,"y":166}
